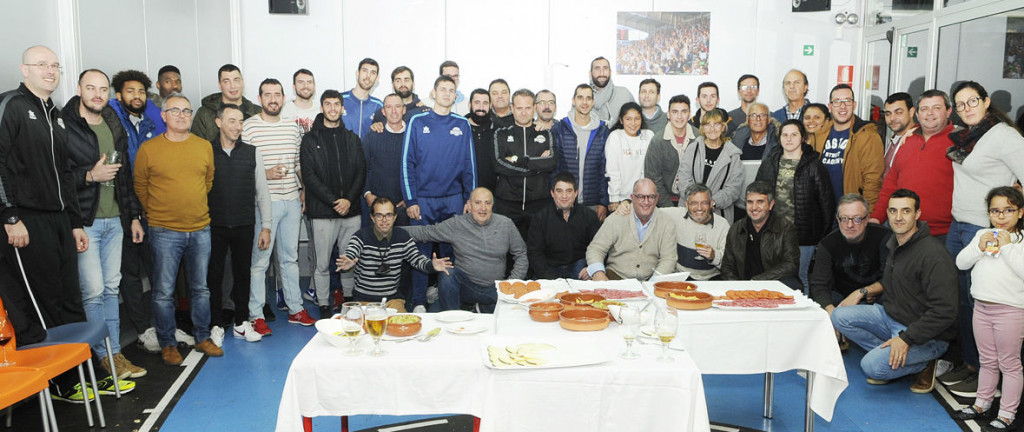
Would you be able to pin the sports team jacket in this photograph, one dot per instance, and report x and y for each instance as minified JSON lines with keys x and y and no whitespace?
{"x":526,"y":179}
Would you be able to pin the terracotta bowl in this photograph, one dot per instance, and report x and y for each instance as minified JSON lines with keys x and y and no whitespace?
{"x":404,"y":329}
{"x":702,"y":301}
{"x":584,"y":319}
{"x":661,"y":289}
{"x":546,"y":311}
{"x":570,"y":299}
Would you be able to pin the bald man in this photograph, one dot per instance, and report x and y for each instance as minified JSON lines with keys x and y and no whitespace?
{"x":38,"y":204}
{"x":481,"y":240}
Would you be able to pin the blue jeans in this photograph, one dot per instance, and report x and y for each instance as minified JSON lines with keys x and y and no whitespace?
{"x":959,"y":236}
{"x":869,"y":326}
{"x":432,"y":211}
{"x":284,"y":240}
{"x":567,"y":271}
{"x":456,"y":288}
{"x":99,"y":276}
{"x":806,"y":253}
{"x":168,"y":249}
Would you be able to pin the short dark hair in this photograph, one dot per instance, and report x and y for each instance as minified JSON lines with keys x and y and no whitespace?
{"x":761,"y":187}
{"x":302,"y":71}
{"x":935,"y":93}
{"x":548,"y":92}
{"x":270,"y":81}
{"x":907,"y":193}
{"x":479,"y":91}
{"x":707,"y":84}
{"x":380,"y":200}
{"x":227,"y":68}
{"x":443,"y":78}
{"x":581,"y":87}
{"x":657,"y":85}
{"x":330,"y":94}
{"x":368,"y":61}
{"x":853,"y":94}
{"x":82,"y":75}
{"x":566,"y":177}
{"x":167,"y":68}
{"x":747,"y":76}
{"x":524,"y":92}
{"x":498,"y":81}
{"x":227,"y":106}
{"x":401,"y":69}
{"x":599,"y":58}
{"x":799,"y":125}
{"x":820,"y":107}
{"x":444,"y":64}
{"x":900,"y":97}
{"x":129,"y":75}
{"x":679,"y":98}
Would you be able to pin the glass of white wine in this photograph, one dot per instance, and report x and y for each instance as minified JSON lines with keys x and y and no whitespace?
{"x":352,"y":325}
{"x":628,"y":328}
{"x":665,"y":325}
{"x":376,"y":317}
{"x":700,"y":241}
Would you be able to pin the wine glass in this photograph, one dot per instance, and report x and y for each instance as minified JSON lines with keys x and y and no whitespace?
{"x":628,"y":328}
{"x":665,"y":325}
{"x":352,"y":325}
{"x":114,"y":157}
{"x":376,"y":318}
{"x":700,"y":241}
{"x":6,"y":334}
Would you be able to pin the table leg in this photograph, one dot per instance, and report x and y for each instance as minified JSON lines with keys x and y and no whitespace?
{"x":808,"y":414}
{"x":476,"y":424}
{"x":307,"y":424}
{"x":769,"y":391}
{"x":344,"y":423}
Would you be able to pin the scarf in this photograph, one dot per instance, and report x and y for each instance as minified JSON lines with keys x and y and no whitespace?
{"x":964,"y":140}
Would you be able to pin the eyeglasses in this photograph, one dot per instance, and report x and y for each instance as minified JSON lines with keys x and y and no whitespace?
{"x":748,"y":87}
{"x":53,"y":67}
{"x":653,"y":197}
{"x":383,"y":216}
{"x":972,"y":102}
{"x":855,"y":220}
{"x":698,"y":204}
{"x":174,"y":112}
{"x":841,"y":102}
{"x":758,"y":116}
{"x":1005,"y":212}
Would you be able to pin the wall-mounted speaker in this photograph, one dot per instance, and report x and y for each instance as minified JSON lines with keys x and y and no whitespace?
{"x":293,"y":7}
{"x":811,"y":5}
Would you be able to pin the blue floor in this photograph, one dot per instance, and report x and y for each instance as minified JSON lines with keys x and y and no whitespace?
{"x":241,"y":391}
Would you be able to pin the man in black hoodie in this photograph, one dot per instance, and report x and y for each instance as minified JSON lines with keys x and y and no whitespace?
{"x":333,"y":172}
{"x":483,"y":137}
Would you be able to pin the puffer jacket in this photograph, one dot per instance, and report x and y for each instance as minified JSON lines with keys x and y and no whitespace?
{"x":149,"y":127}
{"x":83,"y":152}
{"x":864,"y":160}
{"x":742,"y":135}
{"x":594,"y":182}
{"x":812,"y":192}
{"x":780,"y":252}
{"x":526,"y":179}
{"x":333,"y":167}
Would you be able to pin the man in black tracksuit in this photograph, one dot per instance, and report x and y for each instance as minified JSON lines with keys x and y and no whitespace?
{"x":524,"y":160}
{"x":38,"y":204}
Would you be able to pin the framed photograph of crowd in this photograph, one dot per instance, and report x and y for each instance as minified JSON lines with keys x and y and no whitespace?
{"x":662,"y":43}
{"x":1013,"y":61}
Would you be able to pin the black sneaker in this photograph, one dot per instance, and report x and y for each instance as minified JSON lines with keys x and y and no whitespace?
{"x":956,"y":375}
{"x":268,"y":313}
{"x":325,"y":312}
{"x":967,"y":388}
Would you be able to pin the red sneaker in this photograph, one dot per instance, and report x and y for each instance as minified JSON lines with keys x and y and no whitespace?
{"x":260,"y":326}
{"x":301,"y":318}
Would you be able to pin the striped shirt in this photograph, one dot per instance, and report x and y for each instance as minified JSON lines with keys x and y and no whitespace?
{"x":389,"y":252}
{"x":279,"y":144}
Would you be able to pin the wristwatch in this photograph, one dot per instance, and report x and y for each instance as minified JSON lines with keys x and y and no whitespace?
{"x":864,"y":291}
{"x":11,"y":220}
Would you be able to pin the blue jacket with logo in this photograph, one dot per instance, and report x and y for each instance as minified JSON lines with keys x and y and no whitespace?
{"x":359,"y":113}
{"x":151,"y":126}
{"x":437,"y":157}
{"x":594,"y":182}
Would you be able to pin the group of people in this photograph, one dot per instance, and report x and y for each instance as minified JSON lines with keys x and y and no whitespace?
{"x":465,"y":191}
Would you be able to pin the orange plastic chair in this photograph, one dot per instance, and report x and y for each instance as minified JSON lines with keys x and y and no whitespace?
{"x":18,"y":383}
{"x":54,"y":360}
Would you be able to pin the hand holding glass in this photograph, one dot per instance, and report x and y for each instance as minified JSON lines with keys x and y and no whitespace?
{"x":700,"y":241}
{"x":112,"y":158}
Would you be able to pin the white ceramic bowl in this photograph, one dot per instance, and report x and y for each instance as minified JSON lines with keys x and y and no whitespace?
{"x":332,"y":330}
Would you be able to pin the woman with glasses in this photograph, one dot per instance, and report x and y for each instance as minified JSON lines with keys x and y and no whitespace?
{"x":995,"y":258}
{"x":988,"y":153}
{"x":803,"y":192}
{"x":624,"y":153}
{"x":711,"y":162}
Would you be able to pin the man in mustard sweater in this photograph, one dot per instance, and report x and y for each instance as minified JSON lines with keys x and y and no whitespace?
{"x":173,"y":175}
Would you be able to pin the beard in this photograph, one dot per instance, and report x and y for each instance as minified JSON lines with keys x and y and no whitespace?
{"x":92,"y":109}
{"x":480,"y":119}
{"x":132,"y":110}
{"x":272,"y":113}
{"x":600,"y":82}
{"x":403,"y":94}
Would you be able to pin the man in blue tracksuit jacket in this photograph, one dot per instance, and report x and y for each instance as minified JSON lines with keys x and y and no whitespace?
{"x":580,"y":139}
{"x":358,"y":104}
{"x":438,"y":171}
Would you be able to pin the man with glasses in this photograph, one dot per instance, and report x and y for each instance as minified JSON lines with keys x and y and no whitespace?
{"x":700,"y":235}
{"x":634,"y":245}
{"x":848,"y":262}
{"x":922,"y":165}
{"x":334,"y":170}
{"x":173,"y":176}
{"x":852,"y":151}
{"x":560,"y":233}
{"x":762,"y":246}
{"x":378,"y":252}
{"x":758,"y":136}
{"x":546,"y":108}
{"x":748,"y":87}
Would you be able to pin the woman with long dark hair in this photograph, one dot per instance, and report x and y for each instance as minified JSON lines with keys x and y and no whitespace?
{"x":624,"y":153}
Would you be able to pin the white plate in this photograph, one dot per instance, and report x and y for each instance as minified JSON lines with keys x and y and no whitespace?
{"x":631,"y":285}
{"x":451,"y":316}
{"x":465,"y":328}
{"x":567,"y":352}
{"x":548,"y":289}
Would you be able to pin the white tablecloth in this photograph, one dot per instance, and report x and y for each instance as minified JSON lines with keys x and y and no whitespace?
{"x":758,"y":341}
{"x":447,"y":375}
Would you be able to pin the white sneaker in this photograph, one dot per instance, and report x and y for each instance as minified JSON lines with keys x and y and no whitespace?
{"x":432,"y":294}
{"x":943,"y":366}
{"x":181,"y":336}
{"x":245,"y":331}
{"x":217,"y":335}
{"x":419,"y":309}
{"x":149,"y":341}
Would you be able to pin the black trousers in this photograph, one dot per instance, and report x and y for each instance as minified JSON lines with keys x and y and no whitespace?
{"x":519,"y":213}
{"x":135,"y":264}
{"x":239,"y":240}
